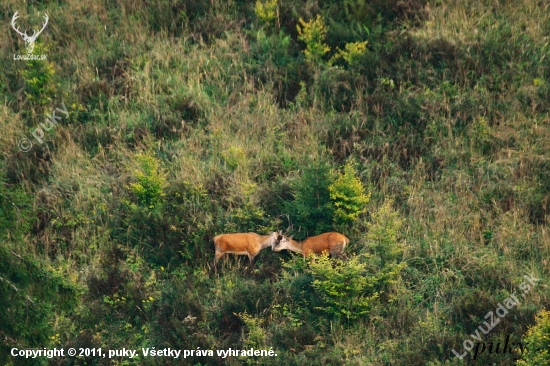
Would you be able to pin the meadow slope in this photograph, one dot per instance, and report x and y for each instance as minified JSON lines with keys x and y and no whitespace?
{"x":419,"y":129}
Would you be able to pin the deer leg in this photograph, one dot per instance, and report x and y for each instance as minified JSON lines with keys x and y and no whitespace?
{"x":217,"y":257}
{"x":252,"y":258}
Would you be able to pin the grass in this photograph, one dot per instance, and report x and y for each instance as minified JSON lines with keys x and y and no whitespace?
{"x":445,"y":114}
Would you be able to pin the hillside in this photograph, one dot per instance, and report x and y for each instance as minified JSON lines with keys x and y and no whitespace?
{"x":418,"y":129}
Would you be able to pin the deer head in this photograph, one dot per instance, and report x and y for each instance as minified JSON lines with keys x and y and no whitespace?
{"x":29,"y":40}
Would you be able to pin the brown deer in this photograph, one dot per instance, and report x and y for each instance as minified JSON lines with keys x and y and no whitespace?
{"x":333,"y":243}
{"x":249,"y":244}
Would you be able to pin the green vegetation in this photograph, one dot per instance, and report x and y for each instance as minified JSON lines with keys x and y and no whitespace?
{"x":348,"y":196}
{"x":39,"y":79}
{"x":313,"y":34}
{"x":538,"y":341}
{"x":267,"y":11}
{"x":151,"y":181}
{"x":419,"y":129}
{"x":346,"y":287}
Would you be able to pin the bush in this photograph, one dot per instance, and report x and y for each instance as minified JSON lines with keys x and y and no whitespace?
{"x":256,"y":337}
{"x":39,"y":76}
{"x":313,"y":34}
{"x":348,"y":196}
{"x":151,"y":180}
{"x":345,"y":286}
{"x":352,"y":53}
{"x":538,"y":342}
{"x":383,"y":234}
{"x":311,"y":208}
{"x":267,"y":11}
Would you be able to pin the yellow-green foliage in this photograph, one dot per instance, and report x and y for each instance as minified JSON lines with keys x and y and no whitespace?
{"x":449,"y":111}
{"x":352,"y":52}
{"x":39,"y":76}
{"x":345,"y":286}
{"x":480,"y":132}
{"x":313,"y":34}
{"x":256,"y":335}
{"x":538,"y":341}
{"x":384,"y":239}
{"x":383,"y":233}
{"x":266,"y":11}
{"x":151,"y":180}
{"x":234,"y":157}
{"x":348,"y":195}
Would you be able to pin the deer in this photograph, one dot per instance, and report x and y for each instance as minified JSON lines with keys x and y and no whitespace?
{"x":333,"y":243}
{"x":29,"y":40}
{"x":249,"y":244}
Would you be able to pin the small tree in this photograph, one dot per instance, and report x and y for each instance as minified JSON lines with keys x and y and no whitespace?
{"x":538,"y":339}
{"x":151,"y":180}
{"x":384,"y":240}
{"x":348,"y":196}
{"x":39,"y":77}
{"x":382,"y":236}
{"x":345,"y":286}
{"x":313,"y":34}
{"x":267,"y":11}
{"x":311,"y":208}
{"x":255,"y":337}
{"x":351,"y":53}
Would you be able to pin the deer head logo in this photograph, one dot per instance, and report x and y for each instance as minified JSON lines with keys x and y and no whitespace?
{"x":29,"y":40}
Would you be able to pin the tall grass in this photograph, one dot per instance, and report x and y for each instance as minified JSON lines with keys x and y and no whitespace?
{"x":445,"y":114}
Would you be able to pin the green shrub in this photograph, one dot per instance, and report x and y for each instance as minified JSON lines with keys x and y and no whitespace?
{"x":311,"y":209}
{"x":274,"y":63}
{"x":383,"y":236}
{"x":352,"y":53}
{"x":39,"y":77}
{"x":234,"y":157}
{"x":313,"y":34}
{"x":267,"y":11}
{"x":384,"y":239}
{"x":256,"y":337}
{"x":347,"y":194}
{"x":481,"y":134}
{"x":345,"y":286}
{"x":449,"y":116}
{"x":16,"y":214}
{"x":538,"y":341}
{"x":334,"y":89}
{"x":151,"y":180}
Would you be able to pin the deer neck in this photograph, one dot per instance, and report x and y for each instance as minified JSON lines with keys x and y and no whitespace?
{"x":295,"y":246}
{"x":267,"y":241}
